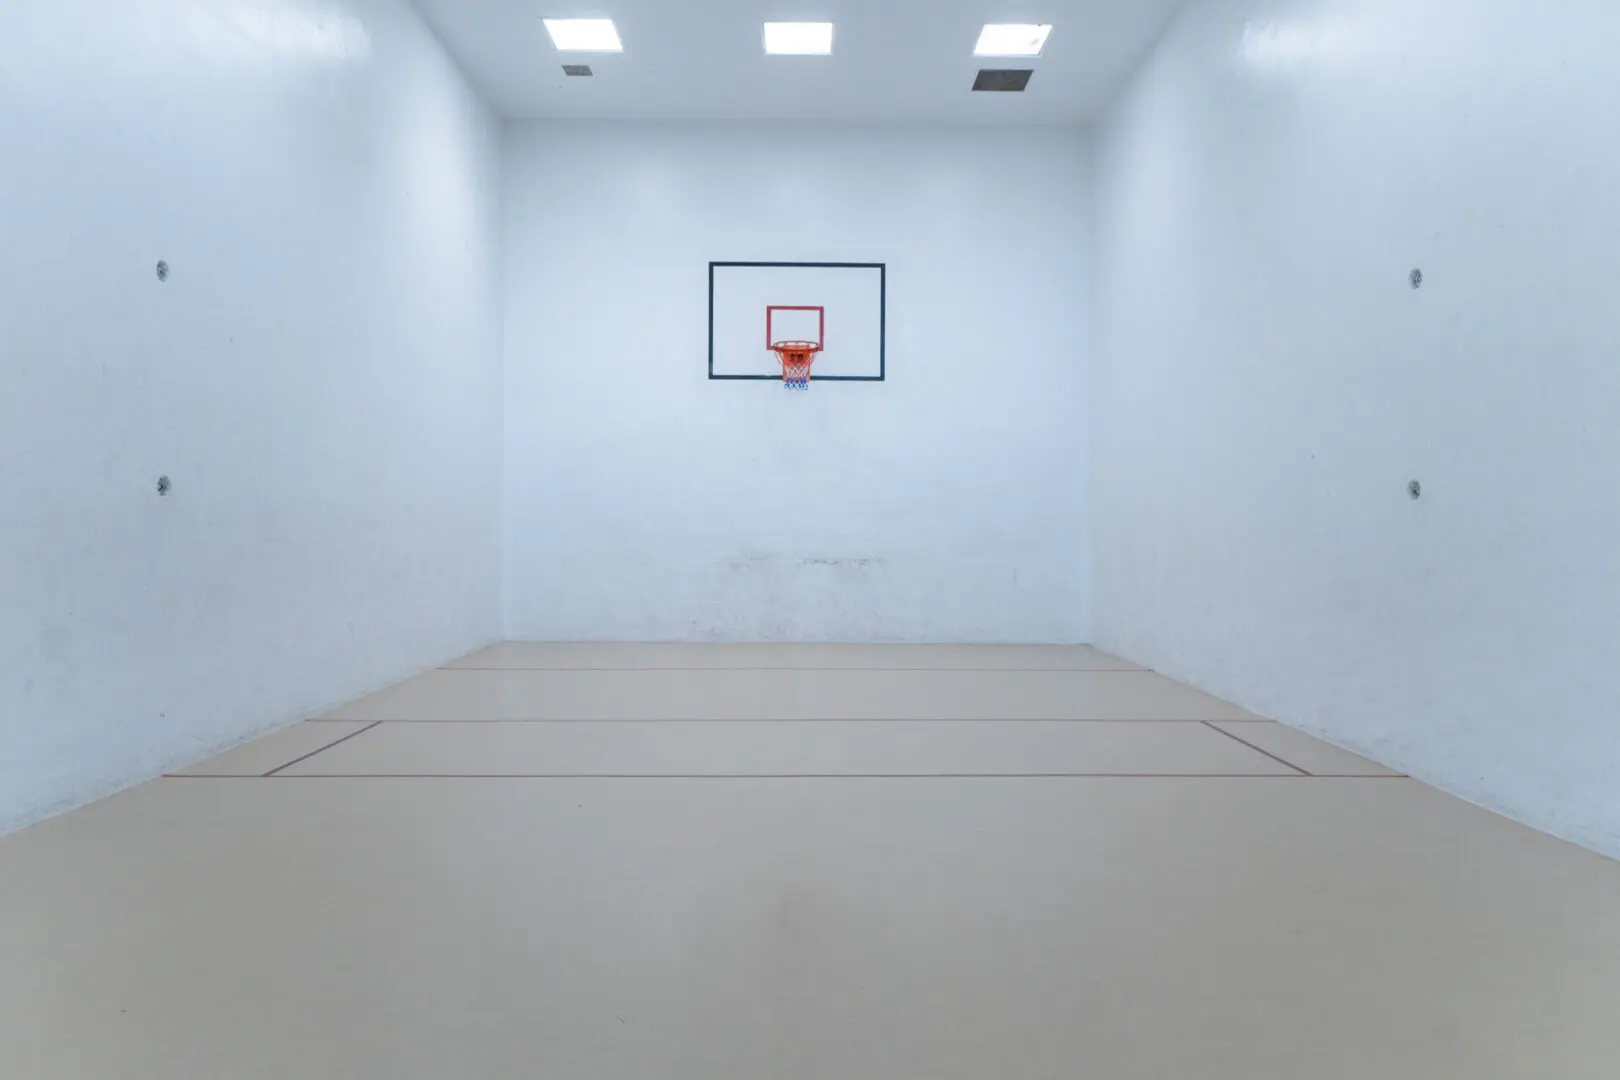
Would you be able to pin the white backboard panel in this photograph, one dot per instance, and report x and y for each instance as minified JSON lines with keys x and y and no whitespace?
{"x":796,"y":324}
{"x":843,"y":305}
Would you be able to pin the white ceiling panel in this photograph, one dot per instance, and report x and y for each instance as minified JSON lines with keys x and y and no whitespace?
{"x":894,"y":60}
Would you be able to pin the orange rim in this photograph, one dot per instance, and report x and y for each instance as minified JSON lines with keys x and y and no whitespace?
{"x":796,"y":357}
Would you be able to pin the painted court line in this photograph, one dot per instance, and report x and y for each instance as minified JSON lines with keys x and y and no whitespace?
{"x":807,"y":720}
{"x":1256,"y":749}
{"x":787,"y":776}
{"x":321,"y":750}
{"x":942,"y":670}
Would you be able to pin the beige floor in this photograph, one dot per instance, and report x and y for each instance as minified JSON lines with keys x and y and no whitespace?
{"x":704,"y":863}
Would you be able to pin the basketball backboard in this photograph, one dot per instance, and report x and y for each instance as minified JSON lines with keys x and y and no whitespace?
{"x":840,"y":306}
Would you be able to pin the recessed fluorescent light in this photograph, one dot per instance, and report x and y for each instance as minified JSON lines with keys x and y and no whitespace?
{"x":584,"y":35}
{"x":1012,"y":39}
{"x":799,"y":38}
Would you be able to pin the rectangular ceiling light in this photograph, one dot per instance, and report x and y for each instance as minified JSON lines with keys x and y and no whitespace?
{"x":1011,"y":39}
{"x":584,"y":35}
{"x":799,"y":38}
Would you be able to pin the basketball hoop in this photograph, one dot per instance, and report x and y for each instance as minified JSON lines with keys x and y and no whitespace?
{"x":796,"y":357}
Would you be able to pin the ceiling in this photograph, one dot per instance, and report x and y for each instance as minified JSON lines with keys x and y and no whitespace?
{"x":894,"y":60}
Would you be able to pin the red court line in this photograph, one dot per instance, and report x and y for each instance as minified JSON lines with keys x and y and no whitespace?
{"x":790,"y":776}
{"x":1256,"y":749}
{"x":321,"y":750}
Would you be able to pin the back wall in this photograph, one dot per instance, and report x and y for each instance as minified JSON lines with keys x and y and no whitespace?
{"x":644,"y":501}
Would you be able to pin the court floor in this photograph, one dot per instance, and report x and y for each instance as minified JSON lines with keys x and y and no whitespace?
{"x":599,"y":862}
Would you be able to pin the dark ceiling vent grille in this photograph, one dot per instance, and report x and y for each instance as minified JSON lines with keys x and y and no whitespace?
{"x":1003,"y":80}
{"x":577,"y":71}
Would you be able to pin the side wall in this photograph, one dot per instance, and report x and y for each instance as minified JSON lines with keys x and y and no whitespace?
{"x":1268,"y":381}
{"x":646,"y":502}
{"x":319,"y":377}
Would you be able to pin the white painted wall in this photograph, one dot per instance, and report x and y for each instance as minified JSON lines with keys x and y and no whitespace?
{"x":1267,"y":382}
{"x":646,"y":502}
{"x":320,"y":376}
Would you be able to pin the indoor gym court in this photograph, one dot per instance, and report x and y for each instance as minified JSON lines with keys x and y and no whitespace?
{"x":928,"y":539}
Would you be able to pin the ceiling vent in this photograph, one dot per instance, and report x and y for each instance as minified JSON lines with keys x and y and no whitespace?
{"x":1003,"y":80}
{"x":577,"y":71}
